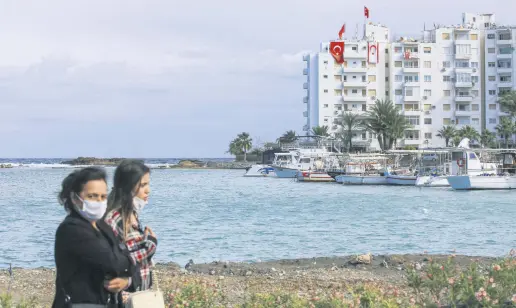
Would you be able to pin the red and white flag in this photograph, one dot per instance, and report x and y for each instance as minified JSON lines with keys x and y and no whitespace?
{"x":373,"y":55}
{"x":337,"y":51}
{"x":342,"y":30}
{"x":366,"y":12}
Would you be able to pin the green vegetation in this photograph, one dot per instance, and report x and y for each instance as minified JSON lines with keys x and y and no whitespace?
{"x":242,"y":144}
{"x":6,"y":301}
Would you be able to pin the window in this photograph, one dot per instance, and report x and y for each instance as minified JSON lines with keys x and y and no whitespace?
{"x":397,"y":64}
{"x":492,"y":106}
{"x":446,"y":78}
{"x":490,"y":50}
{"x":397,"y":49}
{"x":337,"y":92}
{"x":412,"y":134}
{"x":474,"y":64}
{"x":492,"y":92}
{"x":325,"y":105}
{"x":427,"y":49}
{"x":428,"y":93}
{"x":371,"y":92}
{"x":446,"y":93}
{"x":475,"y":107}
{"x":463,"y":77}
{"x":325,"y":62}
{"x":492,"y":121}
{"x":364,"y":78}
{"x":474,"y":93}
{"x":412,"y":107}
{"x":491,"y":36}
{"x":446,"y":121}
{"x":372,"y":65}
{"x":428,"y":135}
{"x":447,"y":50}
{"x":398,"y":92}
{"x":412,"y":78}
{"x":446,"y":36}
{"x":408,"y":92}
{"x":399,"y":107}
{"x":345,"y":78}
{"x":338,"y":78}
{"x":428,"y":121}
{"x":386,"y":93}
{"x":354,"y":48}
{"x":446,"y":64}
{"x":475,"y":121}
{"x":491,"y":64}
{"x":325,"y":90}
{"x":413,"y":120}
{"x":428,"y":64}
{"x":473,"y":37}
{"x":505,"y":78}
{"x":474,"y":78}
{"x":363,"y":64}
{"x":492,"y":78}
{"x":371,"y":78}
{"x":386,"y":78}
{"x":364,"y":136}
{"x":446,"y":107}
{"x":386,"y":50}
{"x":427,"y":107}
{"x":354,"y":91}
{"x":325,"y":120}
{"x":428,"y":78}
{"x":386,"y":64}
{"x":325,"y":76}
{"x":398,"y":78}
{"x":462,"y":64}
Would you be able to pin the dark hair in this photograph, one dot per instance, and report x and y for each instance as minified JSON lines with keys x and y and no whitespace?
{"x":127,"y":176}
{"x":75,"y":181}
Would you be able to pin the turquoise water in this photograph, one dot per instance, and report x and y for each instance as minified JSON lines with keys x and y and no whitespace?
{"x":208,"y":215}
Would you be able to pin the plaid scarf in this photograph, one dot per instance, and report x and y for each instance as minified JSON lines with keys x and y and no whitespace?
{"x":141,"y":247}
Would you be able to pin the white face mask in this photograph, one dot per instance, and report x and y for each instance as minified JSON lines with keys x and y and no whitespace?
{"x":92,"y":210}
{"x":139,"y":204}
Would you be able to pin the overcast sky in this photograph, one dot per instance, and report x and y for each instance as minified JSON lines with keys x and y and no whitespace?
{"x":158,"y":78}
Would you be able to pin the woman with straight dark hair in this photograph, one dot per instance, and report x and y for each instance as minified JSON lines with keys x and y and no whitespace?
{"x":92,"y":266}
{"x":127,"y":199}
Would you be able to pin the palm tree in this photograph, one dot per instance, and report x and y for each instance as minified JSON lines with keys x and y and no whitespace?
{"x":241,"y":145}
{"x":321,"y":131}
{"x":508,"y":102}
{"x":350,"y":122}
{"x":487,"y":138}
{"x":469,"y":132}
{"x":288,"y":137}
{"x":505,"y":129}
{"x":447,"y":133}
{"x":386,"y":122}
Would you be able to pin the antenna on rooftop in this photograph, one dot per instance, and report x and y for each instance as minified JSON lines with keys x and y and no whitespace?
{"x":356,"y":32}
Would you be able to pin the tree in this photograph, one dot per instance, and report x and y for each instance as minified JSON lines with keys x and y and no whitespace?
{"x":321,"y":131}
{"x":505,"y":129}
{"x":487,"y":138}
{"x":288,"y":137}
{"x":386,"y":122}
{"x":469,"y":132}
{"x":241,"y":145}
{"x":447,"y":133}
{"x":350,"y":122}
{"x":508,"y":102}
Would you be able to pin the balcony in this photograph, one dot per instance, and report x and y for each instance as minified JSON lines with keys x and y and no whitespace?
{"x":464,"y":84}
{"x":412,"y":98}
{"x":355,"y":70}
{"x":505,"y":83}
{"x":463,"y":98}
{"x":463,"y":56}
{"x":305,"y":85}
{"x":504,"y":70}
{"x":504,"y":40}
{"x":411,"y":55}
{"x":466,"y":113}
{"x":412,"y":69}
{"x":467,"y":70}
{"x":305,"y":71}
{"x":356,"y":54}
{"x":411,"y":141}
{"x":338,"y":70}
{"x":354,"y":84}
{"x":354,"y":98}
{"x":504,"y":55}
{"x":411,"y":84}
{"x":305,"y":100}
{"x":306,"y":57}
{"x":305,"y":114}
{"x":412,"y":112}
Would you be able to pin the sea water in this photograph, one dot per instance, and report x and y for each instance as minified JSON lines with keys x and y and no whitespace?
{"x":208,"y":215}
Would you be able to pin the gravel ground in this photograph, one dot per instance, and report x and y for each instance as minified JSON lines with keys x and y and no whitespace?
{"x":239,"y":280}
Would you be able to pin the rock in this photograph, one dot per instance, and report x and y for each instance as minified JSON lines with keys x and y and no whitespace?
{"x":212,"y":272}
{"x":221,"y":277}
{"x":418,"y":267}
{"x":93,"y":161}
{"x":2,"y":166}
{"x":248,"y":273}
{"x":362,"y":259}
{"x":384,"y":264}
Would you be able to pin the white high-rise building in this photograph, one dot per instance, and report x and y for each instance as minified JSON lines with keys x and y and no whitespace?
{"x":335,"y":85}
{"x":453,"y":75}
{"x":499,"y":67}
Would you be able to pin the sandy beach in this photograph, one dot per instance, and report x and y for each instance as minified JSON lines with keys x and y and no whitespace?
{"x":238,"y":281}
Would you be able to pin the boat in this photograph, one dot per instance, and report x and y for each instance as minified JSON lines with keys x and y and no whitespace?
{"x":287,"y":165}
{"x":502,"y":177}
{"x":314,"y":176}
{"x":259,"y":170}
{"x":401,"y":180}
{"x":365,"y":170}
{"x":365,"y":179}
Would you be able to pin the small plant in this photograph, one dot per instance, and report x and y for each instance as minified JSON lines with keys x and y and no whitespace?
{"x":6,"y":301}
{"x":195,"y":294}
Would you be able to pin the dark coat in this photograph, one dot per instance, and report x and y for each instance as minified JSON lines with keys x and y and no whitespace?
{"x":85,"y":258}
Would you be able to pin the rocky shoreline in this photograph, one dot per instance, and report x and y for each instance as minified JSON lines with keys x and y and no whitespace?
{"x":239,"y":280}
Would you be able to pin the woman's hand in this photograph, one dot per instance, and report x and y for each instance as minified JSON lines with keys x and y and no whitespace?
{"x":149,"y":231}
{"x":116,"y":285}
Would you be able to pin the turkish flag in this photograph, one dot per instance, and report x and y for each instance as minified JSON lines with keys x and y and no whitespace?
{"x":342,"y":30}
{"x":337,"y":51}
{"x":366,"y":12}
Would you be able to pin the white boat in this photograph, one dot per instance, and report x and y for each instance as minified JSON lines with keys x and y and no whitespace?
{"x":314,"y":176}
{"x":361,"y":179}
{"x":432,"y":181}
{"x":259,"y":170}
{"x":503,"y":177}
{"x":287,"y":165}
{"x":403,"y":180}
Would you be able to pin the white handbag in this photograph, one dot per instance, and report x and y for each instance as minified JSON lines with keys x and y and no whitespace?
{"x":147,"y":298}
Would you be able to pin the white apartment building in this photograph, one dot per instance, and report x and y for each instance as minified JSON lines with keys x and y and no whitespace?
{"x":449,"y":77}
{"x":499,"y":71}
{"x":351,"y":86}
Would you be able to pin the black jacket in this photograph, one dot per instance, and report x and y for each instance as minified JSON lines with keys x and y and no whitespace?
{"x":85,"y":258}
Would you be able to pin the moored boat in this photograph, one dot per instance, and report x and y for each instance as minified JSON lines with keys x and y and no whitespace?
{"x":259,"y":170}
{"x":314,"y":176}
